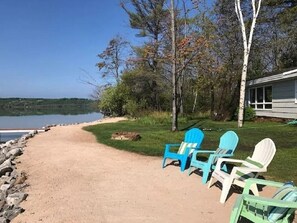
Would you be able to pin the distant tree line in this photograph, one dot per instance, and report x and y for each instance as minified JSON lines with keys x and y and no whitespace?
{"x":38,"y":106}
{"x":207,"y":57}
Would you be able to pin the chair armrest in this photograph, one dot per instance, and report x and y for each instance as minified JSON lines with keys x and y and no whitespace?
{"x":227,"y":160}
{"x":205,"y":151}
{"x":251,"y":181}
{"x":202,"y":151}
{"x":249,"y":169}
{"x":215,"y":155}
{"x":173,"y":145}
{"x":221,"y":155}
{"x":269,"y":201}
{"x":168,"y":146}
{"x":246,"y":170}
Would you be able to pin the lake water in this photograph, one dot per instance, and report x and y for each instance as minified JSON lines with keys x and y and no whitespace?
{"x":39,"y":121}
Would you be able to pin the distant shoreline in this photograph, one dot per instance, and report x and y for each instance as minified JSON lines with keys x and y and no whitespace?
{"x":38,"y":106}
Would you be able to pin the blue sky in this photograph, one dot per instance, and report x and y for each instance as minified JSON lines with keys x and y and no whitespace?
{"x":45,"y":44}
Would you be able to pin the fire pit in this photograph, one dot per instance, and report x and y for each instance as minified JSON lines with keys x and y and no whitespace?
{"x":133,"y":136}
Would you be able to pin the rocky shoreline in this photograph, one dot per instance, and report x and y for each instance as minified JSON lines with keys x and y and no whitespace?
{"x":12,"y":182}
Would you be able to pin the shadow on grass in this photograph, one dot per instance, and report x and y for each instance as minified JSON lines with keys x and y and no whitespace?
{"x":197,"y":124}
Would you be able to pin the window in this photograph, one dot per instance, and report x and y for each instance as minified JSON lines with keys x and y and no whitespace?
{"x":261,"y":97}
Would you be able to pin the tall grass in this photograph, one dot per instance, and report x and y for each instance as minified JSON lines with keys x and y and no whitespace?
{"x":166,"y":118}
{"x":155,"y":118}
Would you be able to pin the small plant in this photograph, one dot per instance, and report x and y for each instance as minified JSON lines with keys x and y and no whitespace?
{"x":249,"y":114}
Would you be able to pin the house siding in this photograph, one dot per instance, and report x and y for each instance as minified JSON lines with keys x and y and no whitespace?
{"x":295,"y":91}
{"x":284,"y":90}
{"x":284,"y":96}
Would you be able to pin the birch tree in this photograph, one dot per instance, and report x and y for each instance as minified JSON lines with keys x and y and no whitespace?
{"x":247,"y":42}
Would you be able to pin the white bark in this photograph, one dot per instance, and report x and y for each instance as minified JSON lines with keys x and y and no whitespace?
{"x":246,"y":53}
{"x":195,"y":101}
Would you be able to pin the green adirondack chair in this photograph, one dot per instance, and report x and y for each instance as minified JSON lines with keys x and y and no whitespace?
{"x":280,"y":208}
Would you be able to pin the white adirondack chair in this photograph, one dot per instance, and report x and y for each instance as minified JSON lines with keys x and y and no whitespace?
{"x":262,"y":156}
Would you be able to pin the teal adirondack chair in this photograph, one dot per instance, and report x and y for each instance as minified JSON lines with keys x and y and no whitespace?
{"x":227,"y":145}
{"x":280,"y":208}
{"x":192,"y":141}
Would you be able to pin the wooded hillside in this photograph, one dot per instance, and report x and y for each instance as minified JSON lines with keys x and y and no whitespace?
{"x":31,"y":106}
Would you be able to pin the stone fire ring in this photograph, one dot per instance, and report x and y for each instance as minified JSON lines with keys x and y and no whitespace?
{"x":133,"y":136}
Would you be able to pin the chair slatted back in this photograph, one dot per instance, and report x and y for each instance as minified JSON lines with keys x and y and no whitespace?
{"x":264,"y":152}
{"x":229,"y":141}
{"x":194,"y":135}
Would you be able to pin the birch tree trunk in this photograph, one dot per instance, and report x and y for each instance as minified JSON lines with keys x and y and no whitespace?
{"x":195,"y":101}
{"x":246,"y":53}
{"x":173,"y":70}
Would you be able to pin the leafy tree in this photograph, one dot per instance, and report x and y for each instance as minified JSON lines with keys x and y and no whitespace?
{"x":203,"y":63}
{"x":183,"y":48}
{"x":280,"y":17}
{"x":111,"y":59}
{"x":112,"y":100}
{"x":148,"y":17}
{"x":147,"y":89}
{"x":219,"y":68}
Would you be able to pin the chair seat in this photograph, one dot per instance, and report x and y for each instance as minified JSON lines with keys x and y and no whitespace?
{"x":197,"y":162}
{"x":253,"y":210}
{"x":220,"y":175}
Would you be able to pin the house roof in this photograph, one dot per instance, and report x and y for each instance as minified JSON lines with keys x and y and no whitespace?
{"x":291,"y":74}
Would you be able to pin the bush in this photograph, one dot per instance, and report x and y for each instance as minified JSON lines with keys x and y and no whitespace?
{"x":131,"y":108}
{"x":135,"y":109}
{"x":112,"y":100}
{"x":248,"y":115}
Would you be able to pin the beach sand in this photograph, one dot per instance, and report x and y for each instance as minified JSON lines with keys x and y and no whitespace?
{"x":74,"y":179}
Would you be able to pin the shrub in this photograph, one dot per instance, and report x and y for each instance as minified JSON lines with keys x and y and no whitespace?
{"x":112,"y":100}
{"x":248,"y":115}
{"x":131,"y":108}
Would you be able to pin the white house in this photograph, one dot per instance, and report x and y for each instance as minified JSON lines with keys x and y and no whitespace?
{"x":274,"y":96}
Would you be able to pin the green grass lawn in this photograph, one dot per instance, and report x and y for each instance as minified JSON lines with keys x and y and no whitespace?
{"x":154,"y":135}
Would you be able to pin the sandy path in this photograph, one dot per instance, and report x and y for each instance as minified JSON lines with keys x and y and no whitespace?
{"x":74,"y":179}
